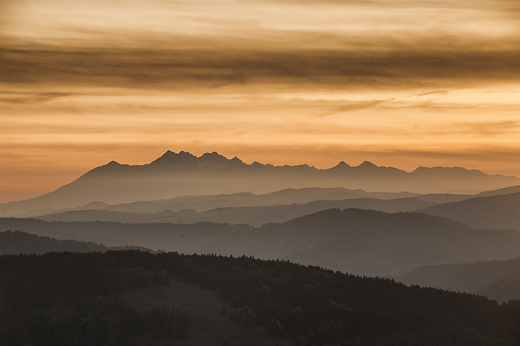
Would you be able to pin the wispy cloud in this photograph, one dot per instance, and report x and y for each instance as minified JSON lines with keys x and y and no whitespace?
{"x":395,"y":68}
{"x":31,"y":98}
{"x":441,"y":92}
{"x":491,"y":128}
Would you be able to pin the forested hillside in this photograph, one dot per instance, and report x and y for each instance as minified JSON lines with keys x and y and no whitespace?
{"x":498,"y":280}
{"x":308,"y":305}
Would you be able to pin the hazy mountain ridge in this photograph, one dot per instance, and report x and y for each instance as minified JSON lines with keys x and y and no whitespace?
{"x":498,"y":280}
{"x":243,"y":199}
{"x":17,"y":242}
{"x":279,"y":206}
{"x":504,"y":191}
{"x":380,"y":243}
{"x":353,"y":240}
{"x":500,"y":211}
{"x":255,"y":216}
{"x":178,"y":174}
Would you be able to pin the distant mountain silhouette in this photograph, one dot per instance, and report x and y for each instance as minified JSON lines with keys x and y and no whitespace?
{"x":493,"y":212}
{"x":244,"y":199}
{"x":15,"y":243}
{"x":377,"y":243}
{"x":182,"y":174}
{"x":437,"y":198}
{"x":504,"y":191}
{"x":498,"y":280}
{"x":225,"y":207}
{"x":256,"y":216}
{"x":357,"y":241}
{"x":440,"y":198}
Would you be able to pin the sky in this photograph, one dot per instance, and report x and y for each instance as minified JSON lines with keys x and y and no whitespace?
{"x":402,"y":83}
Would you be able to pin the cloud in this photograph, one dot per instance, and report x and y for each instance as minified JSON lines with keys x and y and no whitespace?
{"x":440,"y":92}
{"x":492,"y":128}
{"x":460,"y":154}
{"x":354,"y":106}
{"x":511,"y":7}
{"x":31,"y":98}
{"x":5,"y":155}
{"x":395,"y":67}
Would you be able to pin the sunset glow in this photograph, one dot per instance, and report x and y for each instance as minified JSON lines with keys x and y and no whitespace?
{"x":399,"y":83}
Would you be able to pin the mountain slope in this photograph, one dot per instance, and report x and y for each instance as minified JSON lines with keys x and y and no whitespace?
{"x":376,"y":243}
{"x":181,"y":174}
{"x":14,"y":243}
{"x":498,"y":280}
{"x":255,"y":216}
{"x":493,"y":212}
{"x":244,"y":199}
{"x":357,"y":241}
{"x":81,"y":299}
{"x":504,"y":191}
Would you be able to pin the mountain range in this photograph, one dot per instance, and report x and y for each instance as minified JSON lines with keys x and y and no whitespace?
{"x":256,"y":216}
{"x":449,"y":228}
{"x":357,"y":241}
{"x":484,"y":210}
{"x":183,"y":174}
{"x":244,"y":199}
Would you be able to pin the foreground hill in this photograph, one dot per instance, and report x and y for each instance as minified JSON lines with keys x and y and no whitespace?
{"x":182,"y":174}
{"x":75,"y":299}
{"x":353,"y":240}
{"x":14,"y":243}
{"x":502,"y":211}
{"x":498,"y":280}
{"x":256,"y":216}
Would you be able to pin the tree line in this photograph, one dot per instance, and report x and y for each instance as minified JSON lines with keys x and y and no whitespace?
{"x":307,"y":304}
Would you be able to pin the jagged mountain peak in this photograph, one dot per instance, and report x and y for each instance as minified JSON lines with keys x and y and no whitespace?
{"x":113,"y":167}
{"x":367,"y":165}
{"x":171,"y":156}
{"x":184,"y":174}
{"x":184,"y":159}
{"x":340,"y":167}
{"x":214,"y":155}
{"x":113,"y":163}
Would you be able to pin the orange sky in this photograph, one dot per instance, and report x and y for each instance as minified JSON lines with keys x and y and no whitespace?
{"x":399,"y":83}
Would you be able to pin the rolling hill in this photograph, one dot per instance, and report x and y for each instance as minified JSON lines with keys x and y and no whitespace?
{"x":492,"y":212}
{"x":243,"y":199}
{"x":499,"y":280}
{"x":357,"y":241}
{"x":256,"y":216}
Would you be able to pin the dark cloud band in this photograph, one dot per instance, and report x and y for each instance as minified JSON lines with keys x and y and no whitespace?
{"x":156,"y":68}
